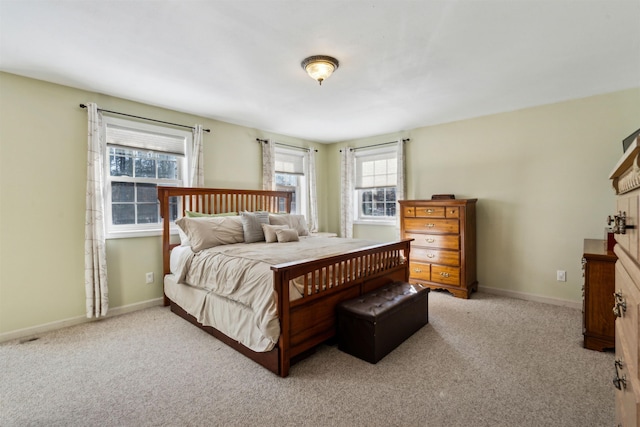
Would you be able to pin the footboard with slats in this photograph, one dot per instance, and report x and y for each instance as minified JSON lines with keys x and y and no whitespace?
{"x":306,"y":321}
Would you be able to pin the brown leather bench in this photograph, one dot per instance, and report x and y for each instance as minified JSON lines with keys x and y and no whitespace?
{"x":372,"y":325}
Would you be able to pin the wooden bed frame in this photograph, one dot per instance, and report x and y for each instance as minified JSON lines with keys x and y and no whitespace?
{"x":310,"y":320}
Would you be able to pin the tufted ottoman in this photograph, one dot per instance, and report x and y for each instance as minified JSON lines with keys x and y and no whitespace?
{"x":372,"y":325}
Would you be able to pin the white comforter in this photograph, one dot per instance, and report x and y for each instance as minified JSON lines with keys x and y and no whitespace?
{"x":241,"y":274}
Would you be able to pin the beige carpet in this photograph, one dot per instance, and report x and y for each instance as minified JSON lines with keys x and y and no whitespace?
{"x":487,"y":361}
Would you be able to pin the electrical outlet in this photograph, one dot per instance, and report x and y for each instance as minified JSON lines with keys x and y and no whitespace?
{"x":561,"y":276}
{"x":149,"y":277}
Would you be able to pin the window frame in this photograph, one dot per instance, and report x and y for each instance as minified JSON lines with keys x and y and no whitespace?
{"x":116,"y":231}
{"x":390,"y":153}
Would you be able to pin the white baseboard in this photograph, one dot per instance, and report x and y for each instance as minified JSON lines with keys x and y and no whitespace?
{"x":47,"y":327}
{"x":532,"y":297}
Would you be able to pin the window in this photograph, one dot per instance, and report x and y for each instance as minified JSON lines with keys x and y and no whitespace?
{"x":139,"y":158}
{"x":376,"y":183}
{"x":290,"y":176}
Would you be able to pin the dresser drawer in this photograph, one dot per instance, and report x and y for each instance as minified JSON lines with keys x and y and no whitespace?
{"x":627,"y":324}
{"x":409,"y":211}
{"x":435,"y":256}
{"x":445,"y":275}
{"x":444,"y":241}
{"x":430,"y":211}
{"x":429,"y":225}
{"x":627,"y":399}
{"x":420,"y":271}
{"x":452,"y":212}
{"x":629,"y":240}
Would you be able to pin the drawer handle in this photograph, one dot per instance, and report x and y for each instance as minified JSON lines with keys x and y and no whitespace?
{"x":417,"y":270}
{"x":443,"y":274}
{"x":431,"y":225}
{"x":431,"y":256}
{"x":620,"y":305}
{"x":619,"y":223}
{"x":619,"y":382}
{"x":429,"y":211}
{"x":430,"y":240}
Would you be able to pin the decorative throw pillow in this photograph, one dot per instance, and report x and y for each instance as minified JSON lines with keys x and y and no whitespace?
{"x":207,"y":232}
{"x":287,"y":235}
{"x":270,"y":232}
{"x":252,"y":225}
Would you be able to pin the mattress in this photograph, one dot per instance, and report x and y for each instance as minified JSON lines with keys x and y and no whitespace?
{"x":230,"y":287}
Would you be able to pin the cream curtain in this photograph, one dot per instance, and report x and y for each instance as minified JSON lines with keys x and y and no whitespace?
{"x":346,"y":192}
{"x":95,"y":257}
{"x":268,"y":165}
{"x":401,"y":180}
{"x":312,"y":197}
{"x":196,"y":175}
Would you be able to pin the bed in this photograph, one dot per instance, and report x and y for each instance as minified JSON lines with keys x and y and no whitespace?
{"x":304,"y":292}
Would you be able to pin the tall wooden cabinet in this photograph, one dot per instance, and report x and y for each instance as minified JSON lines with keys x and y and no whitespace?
{"x":443,"y":253}
{"x":624,"y":220}
{"x":598,"y":321}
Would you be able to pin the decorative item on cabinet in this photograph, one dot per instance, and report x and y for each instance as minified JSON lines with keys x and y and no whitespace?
{"x":443,"y":252}
{"x":598,"y":321}
{"x":626,"y":305}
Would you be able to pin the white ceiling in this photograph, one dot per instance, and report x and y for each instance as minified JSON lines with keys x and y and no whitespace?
{"x":403,"y":64}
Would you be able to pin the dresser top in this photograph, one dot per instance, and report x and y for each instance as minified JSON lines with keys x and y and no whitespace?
{"x":445,"y":202}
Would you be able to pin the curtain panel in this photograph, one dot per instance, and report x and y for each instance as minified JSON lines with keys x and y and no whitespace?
{"x":312,"y":199}
{"x":95,"y":257}
{"x":401,"y":181}
{"x":196,"y":173}
{"x":268,"y":165}
{"x":347,"y":186}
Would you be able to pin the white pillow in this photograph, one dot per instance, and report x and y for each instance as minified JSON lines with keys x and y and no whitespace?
{"x":297,"y":222}
{"x":287,"y":235}
{"x":207,"y":232}
{"x":270,"y":232}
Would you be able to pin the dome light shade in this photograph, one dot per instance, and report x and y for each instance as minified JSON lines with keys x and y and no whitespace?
{"x":320,"y":67}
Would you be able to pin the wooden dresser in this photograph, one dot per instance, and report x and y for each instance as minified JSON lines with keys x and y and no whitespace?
{"x":443,"y":253}
{"x":598,"y":321}
{"x":624,"y":221}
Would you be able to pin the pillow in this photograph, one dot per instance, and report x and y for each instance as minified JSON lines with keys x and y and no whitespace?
{"x":192,"y":214}
{"x":296,"y":222}
{"x":300,"y":224}
{"x":207,"y":232}
{"x":252,"y":225}
{"x":287,"y":235}
{"x":270,"y":232}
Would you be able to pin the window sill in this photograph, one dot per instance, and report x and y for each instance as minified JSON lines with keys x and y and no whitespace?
{"x":129,"y":234}
{"x":385,"y":223}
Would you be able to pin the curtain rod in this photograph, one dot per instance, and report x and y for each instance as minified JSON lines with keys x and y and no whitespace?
{"x":266,"y":141}
{"x":146,"y":118}
{"x":377,"y":145}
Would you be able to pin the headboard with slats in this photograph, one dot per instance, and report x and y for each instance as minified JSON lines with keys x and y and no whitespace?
{"x":214,"y":201}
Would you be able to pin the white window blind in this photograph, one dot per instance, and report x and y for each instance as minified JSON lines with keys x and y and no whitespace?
{"x":291,"y":163}
{"x":150,"y":141}
{"x":376,"y":168}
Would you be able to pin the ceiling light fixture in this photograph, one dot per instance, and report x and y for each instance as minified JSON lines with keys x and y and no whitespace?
{"x":320,"y":67}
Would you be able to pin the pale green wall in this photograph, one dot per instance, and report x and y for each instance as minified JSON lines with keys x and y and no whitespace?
{"x":541,"y":177}
{"x":42,"y":197}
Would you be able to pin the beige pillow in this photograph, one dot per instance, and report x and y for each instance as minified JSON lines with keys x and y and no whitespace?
{"x":297,"y":222}
{"x":207,"y":232}
{"x":287,"y":235}
{"x":252,"y":225}
{"x":270,"y":232}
